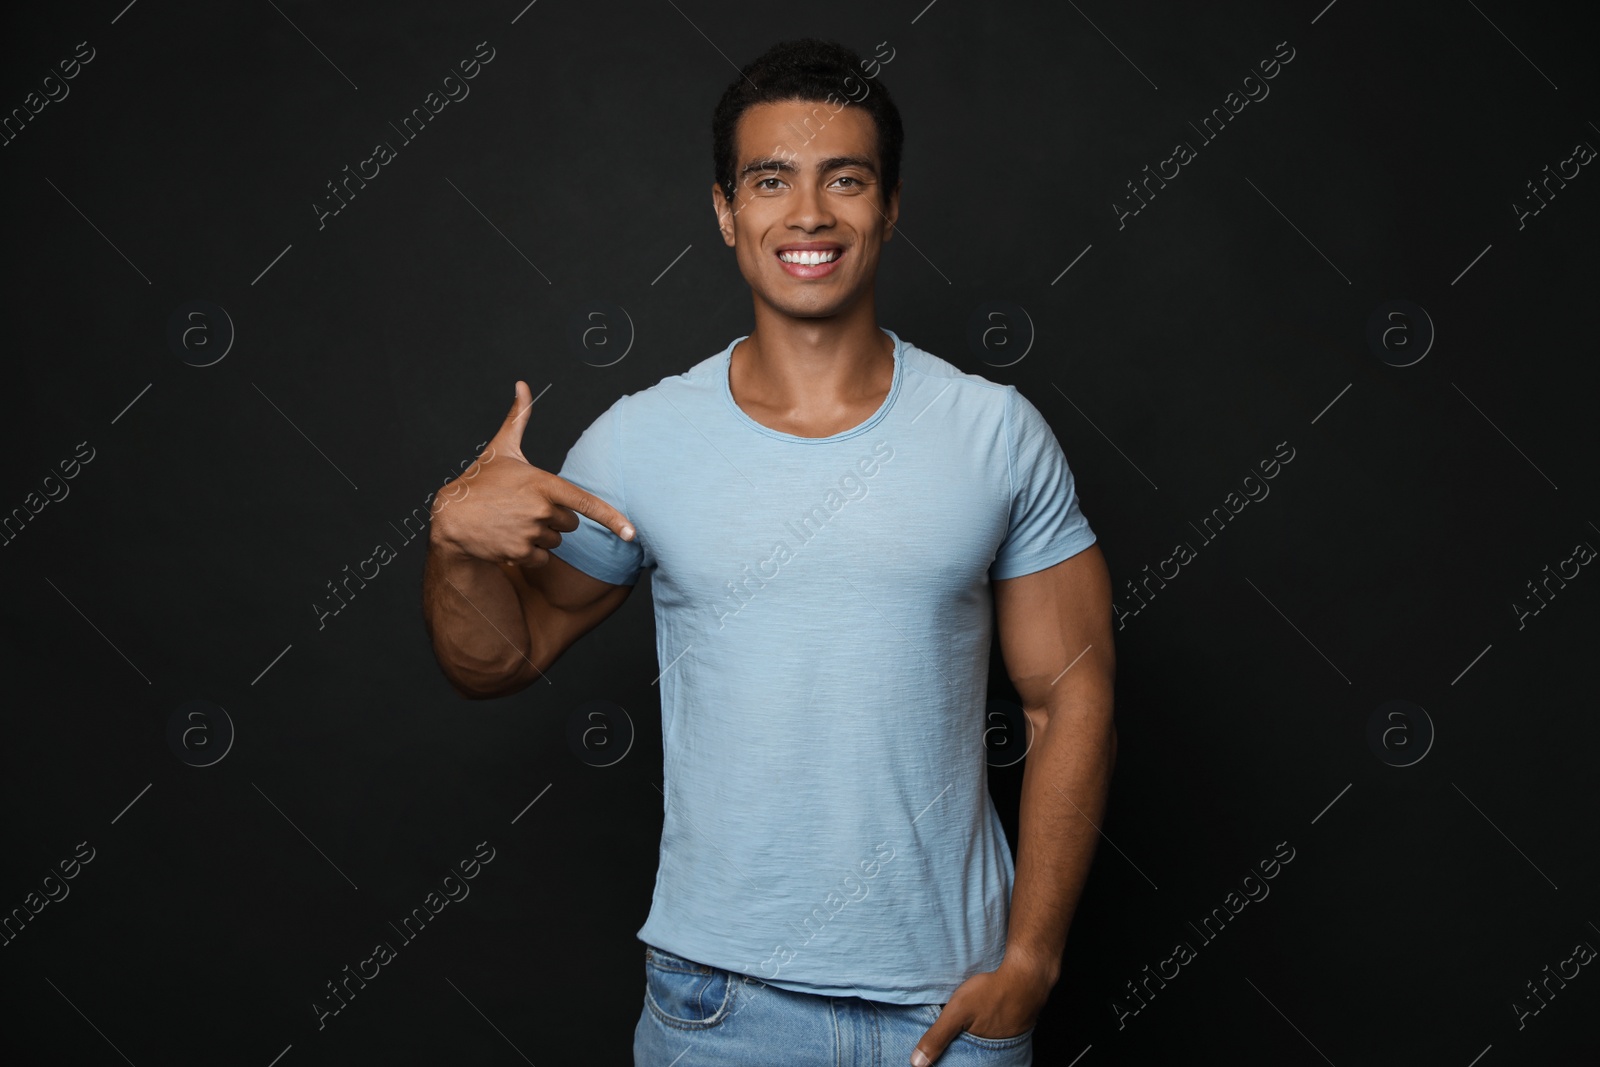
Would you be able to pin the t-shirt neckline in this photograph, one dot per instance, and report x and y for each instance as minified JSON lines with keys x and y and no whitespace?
{"x":726,"y":363}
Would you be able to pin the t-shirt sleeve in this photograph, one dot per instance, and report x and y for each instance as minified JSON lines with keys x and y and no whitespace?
{"x":1046,"y":525}
{"x":594,"y":463}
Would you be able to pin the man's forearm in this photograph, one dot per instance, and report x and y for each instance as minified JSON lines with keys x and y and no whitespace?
{"x":1064,"y":787}
{"x":475,"y":620}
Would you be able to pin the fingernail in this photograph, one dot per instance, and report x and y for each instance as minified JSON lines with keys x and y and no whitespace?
{"x":919,"y":1059}
{"x":627,"y":535}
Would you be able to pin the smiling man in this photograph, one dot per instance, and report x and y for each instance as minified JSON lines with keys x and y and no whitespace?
{"x":835,"y":522}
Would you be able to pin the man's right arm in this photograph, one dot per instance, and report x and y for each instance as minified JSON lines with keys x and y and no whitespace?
{"x":499,"y":608}
{"x":497,"y":628}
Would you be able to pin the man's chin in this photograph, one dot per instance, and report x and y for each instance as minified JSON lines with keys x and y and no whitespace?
{"x":809,"y":312}
{"x":784,"y":303}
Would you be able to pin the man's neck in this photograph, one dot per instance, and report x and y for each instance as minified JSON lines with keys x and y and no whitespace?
{"x":799,"y":374}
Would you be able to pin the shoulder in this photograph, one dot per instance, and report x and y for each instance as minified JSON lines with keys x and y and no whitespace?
{"x":983,"y":406}
{"x":667,"y":398}
{"x":993,"y":411}
{"x":930,"y":369}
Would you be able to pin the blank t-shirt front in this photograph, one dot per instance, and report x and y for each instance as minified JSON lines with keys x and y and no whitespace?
{"x":823,"y":624}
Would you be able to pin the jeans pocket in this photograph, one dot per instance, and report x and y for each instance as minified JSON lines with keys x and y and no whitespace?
{"x":995,"y":1043}
{"x":685,"y":994}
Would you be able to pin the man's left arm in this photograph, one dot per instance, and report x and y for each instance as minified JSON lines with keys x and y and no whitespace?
{"x":1055,"y":637}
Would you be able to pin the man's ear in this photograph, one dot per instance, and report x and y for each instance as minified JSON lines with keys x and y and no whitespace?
{"x":892,"y":215}
{"x":724,"y":212}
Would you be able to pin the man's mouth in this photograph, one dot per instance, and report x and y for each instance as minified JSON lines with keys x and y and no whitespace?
{"x":822,"y":256}
{"x":809,"y":262}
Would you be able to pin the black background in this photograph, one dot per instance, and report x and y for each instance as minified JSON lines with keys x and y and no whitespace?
{"x":374,"y":355}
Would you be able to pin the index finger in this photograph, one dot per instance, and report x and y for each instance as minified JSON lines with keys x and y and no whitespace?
{"x":560,"y":491}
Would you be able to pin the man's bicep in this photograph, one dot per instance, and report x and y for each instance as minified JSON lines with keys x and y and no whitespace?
{"x":561,"y":603}
{"x":1056,"y":623}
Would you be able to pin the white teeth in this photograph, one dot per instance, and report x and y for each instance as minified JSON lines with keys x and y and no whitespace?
{"x":810,"y":258}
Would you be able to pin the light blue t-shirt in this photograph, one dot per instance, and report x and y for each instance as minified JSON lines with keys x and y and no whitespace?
{"x":823,"y":623}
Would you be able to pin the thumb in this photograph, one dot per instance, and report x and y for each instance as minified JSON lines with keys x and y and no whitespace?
{"x":935,"y":1040}
{"x":509,"y":436}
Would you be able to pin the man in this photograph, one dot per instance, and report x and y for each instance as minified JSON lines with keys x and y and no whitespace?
{"x":832,"y":519}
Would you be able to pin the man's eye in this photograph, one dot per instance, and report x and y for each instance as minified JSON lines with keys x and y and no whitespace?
{"x":761,"y":183}
{"x":847,"y":178}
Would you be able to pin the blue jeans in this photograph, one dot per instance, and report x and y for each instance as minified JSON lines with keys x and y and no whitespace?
{"x":696,"y":1015}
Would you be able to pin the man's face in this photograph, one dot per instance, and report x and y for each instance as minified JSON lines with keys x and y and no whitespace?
{"x":806,"y":179}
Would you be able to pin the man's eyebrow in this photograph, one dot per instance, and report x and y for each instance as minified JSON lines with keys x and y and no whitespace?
{"x":766,"y":164}
{"x":785,"y":166}
{"x":836,"y":162}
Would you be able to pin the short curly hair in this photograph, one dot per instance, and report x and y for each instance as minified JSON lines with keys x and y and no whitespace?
{"x":805,"y":69}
